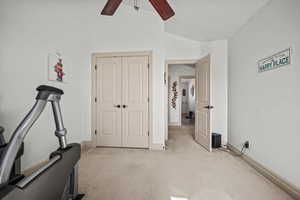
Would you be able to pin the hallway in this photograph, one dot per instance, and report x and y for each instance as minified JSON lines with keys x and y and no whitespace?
{"x":184,"y":170}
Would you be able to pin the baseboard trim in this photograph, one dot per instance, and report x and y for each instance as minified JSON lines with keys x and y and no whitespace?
{"x":289,"y":188}
{"x":87,"y":145}
{"x":157,"y":147}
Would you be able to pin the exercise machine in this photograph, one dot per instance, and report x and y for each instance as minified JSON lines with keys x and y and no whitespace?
{"x":55,"y":180}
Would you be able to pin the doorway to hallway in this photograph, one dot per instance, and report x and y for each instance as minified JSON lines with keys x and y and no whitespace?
{"x":178,"y":113}
{"x":179,"y":78}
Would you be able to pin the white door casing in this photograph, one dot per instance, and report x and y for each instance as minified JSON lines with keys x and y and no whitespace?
{"x":203,"y":103}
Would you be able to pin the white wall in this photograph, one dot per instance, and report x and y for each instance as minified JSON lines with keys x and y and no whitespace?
{"x":179,"y":48}
{"x":264,"y":107}
{"x":219,"y":96}
{"x":175,"y":71}
{"x":32,"y":29}
{"x":76,"y":30}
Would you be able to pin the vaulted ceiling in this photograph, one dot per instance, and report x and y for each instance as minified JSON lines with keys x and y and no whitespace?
{"x":205,"y":20}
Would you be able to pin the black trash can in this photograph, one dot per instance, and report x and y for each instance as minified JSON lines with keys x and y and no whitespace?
{"x":216,"y":140}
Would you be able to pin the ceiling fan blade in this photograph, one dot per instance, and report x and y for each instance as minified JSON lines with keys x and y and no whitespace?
{"x":111,"y":7}
{"x":163,"y":8}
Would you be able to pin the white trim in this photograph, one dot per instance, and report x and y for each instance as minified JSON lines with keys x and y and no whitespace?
{"x":180,"y":101}
{"x":157,"y":147}
{"x":93,"y":88}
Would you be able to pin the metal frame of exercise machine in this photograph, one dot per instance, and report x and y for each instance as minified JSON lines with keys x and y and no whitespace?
{"x":56,"y":180}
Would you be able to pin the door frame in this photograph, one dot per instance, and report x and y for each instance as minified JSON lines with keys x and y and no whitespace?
{"x":166,"y":75}
{"x":180,"y":94}
{"x":93,"y":110}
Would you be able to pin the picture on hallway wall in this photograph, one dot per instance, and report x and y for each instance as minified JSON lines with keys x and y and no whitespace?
{"x":175,"y":94}
{"x":56,"y":68}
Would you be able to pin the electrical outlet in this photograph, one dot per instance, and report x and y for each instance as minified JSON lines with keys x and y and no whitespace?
{"x":246,"y":144}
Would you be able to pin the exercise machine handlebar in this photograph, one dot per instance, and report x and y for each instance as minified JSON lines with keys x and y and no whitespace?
{"x":45,"y":94}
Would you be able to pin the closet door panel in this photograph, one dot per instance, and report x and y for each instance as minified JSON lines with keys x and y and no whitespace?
{"x":135,"y":75}
{"x":109,"y":96}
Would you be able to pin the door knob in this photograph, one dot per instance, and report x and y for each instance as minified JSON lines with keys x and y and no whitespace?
{"x":209,"y":107}
{"x":118,"y":106}
{"x":124,"y":106}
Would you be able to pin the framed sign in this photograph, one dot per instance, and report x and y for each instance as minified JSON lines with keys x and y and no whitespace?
{"x":278,"y":60}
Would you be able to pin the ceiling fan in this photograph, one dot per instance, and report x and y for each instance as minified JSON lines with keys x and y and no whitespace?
{"x":161,"y":6}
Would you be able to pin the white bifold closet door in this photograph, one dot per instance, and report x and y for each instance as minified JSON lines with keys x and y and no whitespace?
{"x":122,"y":102}
{"x":135,"y":121}
{"x":109,"y":96}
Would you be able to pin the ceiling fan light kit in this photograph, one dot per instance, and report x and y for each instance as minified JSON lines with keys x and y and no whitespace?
{"x":161,"y":6}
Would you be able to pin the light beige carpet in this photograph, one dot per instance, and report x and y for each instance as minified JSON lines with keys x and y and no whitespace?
{"x":184,"y":170}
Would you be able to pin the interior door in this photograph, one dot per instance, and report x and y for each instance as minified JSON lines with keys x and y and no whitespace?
{"x":109,"y":97}
{"x":203,"y":107}
{"x":135,"y":130}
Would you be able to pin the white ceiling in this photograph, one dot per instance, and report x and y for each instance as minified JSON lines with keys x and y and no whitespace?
{"x":206,"y":20}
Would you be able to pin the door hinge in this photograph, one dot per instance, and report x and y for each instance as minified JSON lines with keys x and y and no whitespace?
{"x":148,"y":65}
{"x":148,"y":133}
{"x":96,"y":67}
{"x":165,"y":78}
{"x":95,"y":132}
{"x":148,"y":99}
{"x":96,"y":99}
